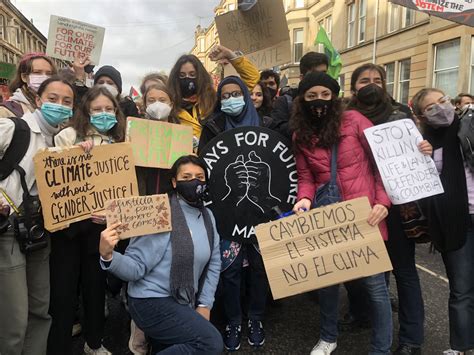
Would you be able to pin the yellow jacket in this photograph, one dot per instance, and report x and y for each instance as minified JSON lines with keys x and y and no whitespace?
{"x":248,"y":73}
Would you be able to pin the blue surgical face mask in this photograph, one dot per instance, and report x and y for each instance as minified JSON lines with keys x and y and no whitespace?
{"x":103,"y":121}
{"x":55,"y":114}
{"x":233,"y":106}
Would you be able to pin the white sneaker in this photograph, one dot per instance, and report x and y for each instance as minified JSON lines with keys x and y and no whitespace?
{"x":137,"y":343}
{"x":101,"y":351}
{"x":323,"y":348}
{"x":452,"y":352}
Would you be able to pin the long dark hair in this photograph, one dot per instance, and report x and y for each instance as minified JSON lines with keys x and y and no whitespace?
{"x":266,"y":107}
{"x":81,"y":121}
{"x":358,"y":71}
{"x":187,"y":159}
{"x":310,"y":135}
{"x":205,"y":92}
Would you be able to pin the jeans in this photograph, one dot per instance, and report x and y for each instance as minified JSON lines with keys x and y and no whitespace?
{"x":376,"y":288}
{"x":411,"y":309}
{"x":24,"y":298}
{"x":178,"y":327}
{"x":460,"y":270}
{"x":257,"y":287}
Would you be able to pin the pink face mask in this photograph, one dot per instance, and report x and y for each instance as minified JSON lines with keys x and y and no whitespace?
{"x":35,"y":81}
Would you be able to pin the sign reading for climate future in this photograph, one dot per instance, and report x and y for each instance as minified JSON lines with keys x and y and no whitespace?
{"x":251,"y":170}
{"x":461,"y":11}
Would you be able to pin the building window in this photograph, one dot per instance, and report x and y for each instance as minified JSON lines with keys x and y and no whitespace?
{"x":320,"y":46}
{"x":2,"y":27}
{"x":362,"y":20}
{"x":297,"y":44}
{"x":202,"y":44}
{"x":403,"y":81}
{"x":471,"y":86}
{"x":446,"y":66}
{"x":408,"y":17}
{"x":231,"y":7}
{"x":18,"y":34}
{"x":329,"y":27}
{"x":351,"y":13}
{"x":393,"y":17}
{"x":299,"y":4}
{"x":390,"y":78}
{"x":342,"y":84}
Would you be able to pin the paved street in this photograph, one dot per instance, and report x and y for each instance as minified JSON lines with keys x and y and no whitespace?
{"x":292,"y":323}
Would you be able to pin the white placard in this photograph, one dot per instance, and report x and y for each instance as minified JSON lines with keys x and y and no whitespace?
{"x":407,"y":174}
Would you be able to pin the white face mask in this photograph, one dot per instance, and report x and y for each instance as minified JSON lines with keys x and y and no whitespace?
{"x":158,"y":110}
{"x":112,"y":89}
{"x":35,"y":81}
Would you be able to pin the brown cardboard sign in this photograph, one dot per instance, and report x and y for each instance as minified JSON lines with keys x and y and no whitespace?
{"x":261,"y":33}
{"x":322,"y":247}
{"x":73,"y":184}
{"x":140,"y":215}
{"x":158,"y":144}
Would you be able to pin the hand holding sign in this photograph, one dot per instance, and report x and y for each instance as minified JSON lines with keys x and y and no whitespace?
{"x":108,"y":240}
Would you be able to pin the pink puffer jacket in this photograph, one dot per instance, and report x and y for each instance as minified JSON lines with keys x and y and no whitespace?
{"x":357,"y":173}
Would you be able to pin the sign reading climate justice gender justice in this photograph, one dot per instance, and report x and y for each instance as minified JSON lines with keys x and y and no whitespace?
{"x":73,"y":184}
{"x":461,"y":11}
{"x":158,"y":144}
{"x":322,"y":247}
{"x":407,"y":174}
{"x":251,"y":170}
{"x":67,"y":37}
{"x":139,"y":215}
{"x":261,"y":33}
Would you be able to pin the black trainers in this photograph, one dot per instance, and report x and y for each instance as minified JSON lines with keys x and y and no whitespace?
{"x":349,"y":323}
{"x":405,"y":349}
{"x":256,"y":333}
{"x":232,"y":335}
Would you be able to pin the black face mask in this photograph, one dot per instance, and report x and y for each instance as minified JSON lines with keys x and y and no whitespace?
{"x":188,"y":87}
{"x":311,"y":108}
{"x":273,"y":92}
{"x":192,"y":191}
{"x":370,"y":95}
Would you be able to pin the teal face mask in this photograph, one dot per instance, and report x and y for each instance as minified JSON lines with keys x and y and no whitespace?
{"x":103,"y":121}
{"x":233,"y":106}
{"x":55,"y":114}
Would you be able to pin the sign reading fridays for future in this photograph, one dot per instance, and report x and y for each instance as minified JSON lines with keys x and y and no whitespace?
{"x":261,"y":33}
{"x":322,"y":247}
{"x":407,"y":174}
{"x":72,"y":184}
{"x":67,"y":37}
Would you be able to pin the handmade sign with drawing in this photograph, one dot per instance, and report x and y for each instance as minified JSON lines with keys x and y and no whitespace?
{"x":140,"y":215}
{"x":322,"y":247}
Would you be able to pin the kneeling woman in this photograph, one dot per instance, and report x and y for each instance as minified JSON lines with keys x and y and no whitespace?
{"x":322,"y":131}
{"x":173,"y":276}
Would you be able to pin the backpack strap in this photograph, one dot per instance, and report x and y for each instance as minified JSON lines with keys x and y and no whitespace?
{"x":14,"y":107}
{"x":17,"y":148}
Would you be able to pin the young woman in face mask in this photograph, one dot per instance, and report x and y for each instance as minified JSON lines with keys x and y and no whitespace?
{"x":234,"y":109}
{"x":370,"y":97}
{"x":451,"y":214}
{"x":173,"y":276}
{"x":158,"y":106}
{"x":191,"y":85}
{"x":75,"y":251}
{"x":24,"y":278}
{"x":320,"y":126}
{"x":32,"y":71}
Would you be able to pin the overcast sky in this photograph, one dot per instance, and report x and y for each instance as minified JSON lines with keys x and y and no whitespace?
{"x":140,"y":35}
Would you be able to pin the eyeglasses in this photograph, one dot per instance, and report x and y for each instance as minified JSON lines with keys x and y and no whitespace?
{"x":227,"y":95}
{"x":444,"y":100}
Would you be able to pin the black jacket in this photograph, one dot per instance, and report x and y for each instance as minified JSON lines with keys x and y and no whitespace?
{"x":281,"y":113}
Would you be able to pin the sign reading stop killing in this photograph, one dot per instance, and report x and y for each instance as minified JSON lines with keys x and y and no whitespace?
{"x":67,"y":37}
{"x":407,"y":174}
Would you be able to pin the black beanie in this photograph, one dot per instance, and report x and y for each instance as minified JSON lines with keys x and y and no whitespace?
{"x":112,"y":73}
{"x":318,"y":79}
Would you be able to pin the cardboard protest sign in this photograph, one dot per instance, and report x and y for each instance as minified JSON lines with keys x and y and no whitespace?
{"x":322,"y":247}
{"x":261,"y":33}
{"x":461,"y":11}
{"x":407,"y":174}
{"x":158,"y":144}
{"x":251,"y":171}
{"x":73,"y":184}
{"x":67,"y":37}
{"x":139,"y":215}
